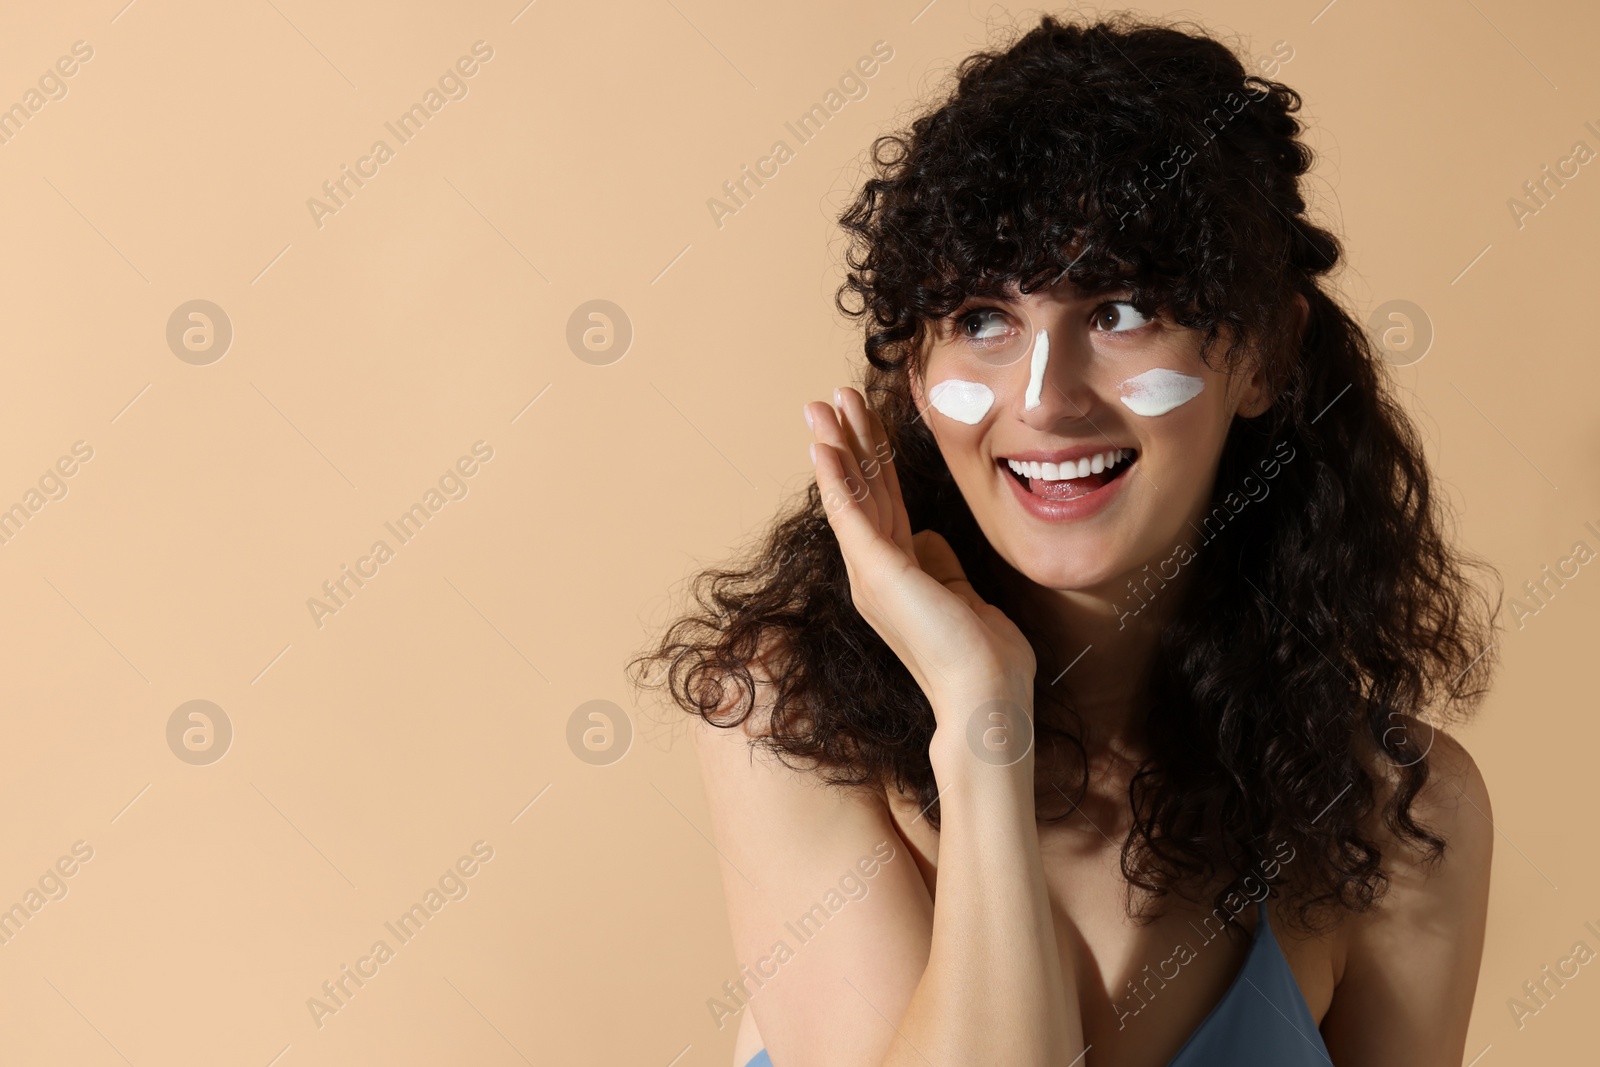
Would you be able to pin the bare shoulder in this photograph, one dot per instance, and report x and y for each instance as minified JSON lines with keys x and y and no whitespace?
{"x":757,"y":790}
{"x":747,"y":699}
{"x":798,"y":853}
{"x":1453,"y":804}
{"x":1410,"y":964}
{"x":736,"y":739}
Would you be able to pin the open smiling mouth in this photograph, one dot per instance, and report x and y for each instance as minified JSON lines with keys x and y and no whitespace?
{"x":1070,"y":479}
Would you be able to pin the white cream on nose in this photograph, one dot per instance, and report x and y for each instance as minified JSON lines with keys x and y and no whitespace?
{"x":1036,"y":363}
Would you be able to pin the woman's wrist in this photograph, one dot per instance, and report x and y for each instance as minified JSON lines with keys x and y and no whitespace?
{"x":984,"y":738}
{"x":958,"y":696}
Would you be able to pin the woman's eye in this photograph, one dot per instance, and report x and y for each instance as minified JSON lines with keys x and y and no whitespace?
{"x":1119,"y":317}
{"x":984,"y":324}
{"x":986,"y":336}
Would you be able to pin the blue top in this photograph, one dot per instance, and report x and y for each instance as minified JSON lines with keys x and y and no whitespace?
{"x":1263,"y":1018}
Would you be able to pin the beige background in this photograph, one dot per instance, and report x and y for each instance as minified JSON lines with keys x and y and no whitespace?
{"x":370,"y":353}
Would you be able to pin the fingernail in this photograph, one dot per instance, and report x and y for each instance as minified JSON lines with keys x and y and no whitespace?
{"x":805,"y":409}
{"x":812,"y":448}
{"x":838,"y":399}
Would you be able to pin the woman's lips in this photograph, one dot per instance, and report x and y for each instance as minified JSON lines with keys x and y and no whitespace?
{"x":1068,"y":474}
{"x":1068,"y":490}
{"x":1061,"y":499}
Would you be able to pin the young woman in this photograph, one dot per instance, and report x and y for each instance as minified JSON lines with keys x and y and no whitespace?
{"x":1086,"y":710}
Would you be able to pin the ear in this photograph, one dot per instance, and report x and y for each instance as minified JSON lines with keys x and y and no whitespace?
{"x":1255,"y":399}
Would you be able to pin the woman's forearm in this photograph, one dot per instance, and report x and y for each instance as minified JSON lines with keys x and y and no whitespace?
{"x":994,"y":990}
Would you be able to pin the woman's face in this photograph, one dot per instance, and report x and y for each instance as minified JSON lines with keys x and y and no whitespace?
{"x":1103,"y":377}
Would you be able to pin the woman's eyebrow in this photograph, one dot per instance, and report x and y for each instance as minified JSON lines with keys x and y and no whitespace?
{"x":1069,"y":291}
{"x":1115,"y":285}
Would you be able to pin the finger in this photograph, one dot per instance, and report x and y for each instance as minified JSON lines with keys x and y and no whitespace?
{"x":884,"y":453}
{"x":863,"y":545}
{"x":825,"y":427}
{"x":874,"y":565}
{"x":858,"y":428}
{"x":936,"y":557}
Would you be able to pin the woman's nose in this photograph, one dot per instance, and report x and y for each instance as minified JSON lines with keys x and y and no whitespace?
{"x":1057,"y":387}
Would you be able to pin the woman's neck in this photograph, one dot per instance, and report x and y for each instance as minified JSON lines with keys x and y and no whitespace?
{"x":1100,"y":655}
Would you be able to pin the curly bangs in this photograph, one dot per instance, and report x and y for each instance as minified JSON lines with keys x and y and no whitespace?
{"x":1119,"y":154}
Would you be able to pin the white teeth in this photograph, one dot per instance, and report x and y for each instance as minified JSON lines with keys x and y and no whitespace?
{"x":1052,"y":472}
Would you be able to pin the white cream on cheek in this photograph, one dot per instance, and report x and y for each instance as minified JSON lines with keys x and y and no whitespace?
{"x":1159,"y":390}
{"x":962,"y":401}
{"x":1036,"y":364}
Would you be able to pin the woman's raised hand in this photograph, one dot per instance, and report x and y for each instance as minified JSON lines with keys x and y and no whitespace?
{"x":910,"y":588}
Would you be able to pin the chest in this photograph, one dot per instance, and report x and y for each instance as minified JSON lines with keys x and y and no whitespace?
{"x":1143,"y":988}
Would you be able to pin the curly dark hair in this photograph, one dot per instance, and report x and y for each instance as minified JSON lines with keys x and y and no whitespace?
{"x":1321,"y":620}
